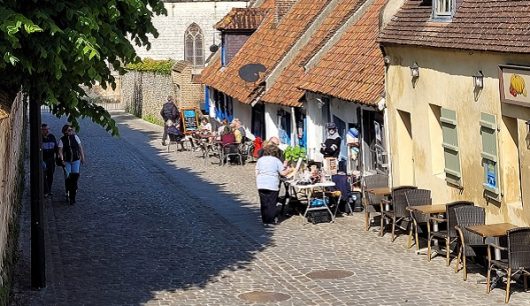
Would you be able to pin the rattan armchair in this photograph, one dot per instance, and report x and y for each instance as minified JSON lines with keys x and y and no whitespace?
{"x":370,"y":201}
{"x":417,"y":197}
{"x":469,"y":242}
{"x":449,"y":235}
{"x":398,"y":212}
{"x":518,"y":260}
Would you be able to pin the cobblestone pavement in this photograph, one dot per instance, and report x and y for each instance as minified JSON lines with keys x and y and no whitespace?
{"x":158,"y":228}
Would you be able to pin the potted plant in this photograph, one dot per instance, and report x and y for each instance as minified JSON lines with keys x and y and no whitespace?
{"x":293,"y":153}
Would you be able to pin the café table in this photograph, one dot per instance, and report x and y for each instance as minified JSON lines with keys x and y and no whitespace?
{"x":491,"y":230}
{"x":309,"y":190}
{"x":380,"y":191}
{"x":430,"y":209}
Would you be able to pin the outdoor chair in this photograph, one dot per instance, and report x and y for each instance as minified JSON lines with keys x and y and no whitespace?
{"x":518,"y":260}
{"x":370,"y":201}
{"x":469,"y":242}
{"x":231,"y":150}
{"x":417,"y":197}
{"x":449,"y":235}
{"x":398,"y":212}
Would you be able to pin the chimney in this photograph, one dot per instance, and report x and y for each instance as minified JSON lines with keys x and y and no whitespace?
{"x":281,"y":7}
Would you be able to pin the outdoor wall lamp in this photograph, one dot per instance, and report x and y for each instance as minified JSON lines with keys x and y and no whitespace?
{"x":415,"y":70}
{"x":478,"y":80}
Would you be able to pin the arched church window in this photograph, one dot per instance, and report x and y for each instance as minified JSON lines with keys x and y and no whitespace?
{"x":194,"y":45}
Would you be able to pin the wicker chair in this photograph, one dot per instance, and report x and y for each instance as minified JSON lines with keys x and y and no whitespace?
{"x":415,"y":198}
{"x":518,"y":260}
{"x":469,"y":242}
{"x":399,"y":209}
{"x":449,"y":235}
{"x":370,"y":201}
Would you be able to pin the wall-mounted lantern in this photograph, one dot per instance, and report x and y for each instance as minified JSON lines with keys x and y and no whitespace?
{"x":478,"y":80}
{"x":415,"y":70}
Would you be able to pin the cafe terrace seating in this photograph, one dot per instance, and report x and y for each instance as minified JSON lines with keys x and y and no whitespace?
{"x":449,"y":234}
{"x":398,"y":211}
{"x":469,"y":241}
{"x":371,"y":202}
{"x":417,"y":197}
{"x":518,"y":260}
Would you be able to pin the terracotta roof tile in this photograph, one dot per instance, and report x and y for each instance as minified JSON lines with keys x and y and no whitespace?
{"x":284,"y":90}
{"x":353,"y":69}
{"x":242,"y":19}
{"x":485,"y":25}
{"x":266,"y":46}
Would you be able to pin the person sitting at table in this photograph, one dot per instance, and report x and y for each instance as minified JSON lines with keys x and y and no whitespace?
{"x":228,"y":140}
{"x":205,"y":127}
{"x":269,"y":168}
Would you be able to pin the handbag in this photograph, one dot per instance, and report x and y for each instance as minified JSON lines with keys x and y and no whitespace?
{"x":58,"y":161}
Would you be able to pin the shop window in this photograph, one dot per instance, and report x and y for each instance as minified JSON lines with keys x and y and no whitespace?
{"x":490,"y":158}
{"x":450,"y":145}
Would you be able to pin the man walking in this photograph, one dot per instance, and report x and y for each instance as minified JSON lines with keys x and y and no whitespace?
{"x":49,"y":151}
{"x":169,"y":111}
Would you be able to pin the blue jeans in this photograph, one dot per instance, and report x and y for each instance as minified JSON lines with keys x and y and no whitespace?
{"x":72,"y":167}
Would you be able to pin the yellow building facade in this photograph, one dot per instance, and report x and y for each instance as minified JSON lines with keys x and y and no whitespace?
{"x":456,"y":134}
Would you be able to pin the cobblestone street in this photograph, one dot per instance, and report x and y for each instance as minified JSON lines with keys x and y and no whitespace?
{"x":157,"y":228}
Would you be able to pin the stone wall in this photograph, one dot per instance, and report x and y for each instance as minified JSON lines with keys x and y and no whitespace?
{"x":12,"y":130}
{"x":143,"y":93}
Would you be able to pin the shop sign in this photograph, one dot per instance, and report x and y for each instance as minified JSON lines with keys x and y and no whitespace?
{"x":514,"y":82}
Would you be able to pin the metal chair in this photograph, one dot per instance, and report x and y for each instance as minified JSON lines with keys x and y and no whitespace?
{"x":449,"y":235}
{"x":417,"y":197}
{"x":469,"y":242}
{"x":398,"y":212}
{"x":518,"y":260}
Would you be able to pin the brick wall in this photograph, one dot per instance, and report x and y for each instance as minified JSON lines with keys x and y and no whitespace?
{"x":12,"y":131}
{"x":234,"y":42}
{"x":188,"y":93}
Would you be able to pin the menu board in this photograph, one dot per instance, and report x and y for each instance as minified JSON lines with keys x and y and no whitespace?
{"x":190,"y":120}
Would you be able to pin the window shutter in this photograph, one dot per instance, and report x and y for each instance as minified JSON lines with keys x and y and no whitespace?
{"x":490,"y":159}
{"x":450,"y":146}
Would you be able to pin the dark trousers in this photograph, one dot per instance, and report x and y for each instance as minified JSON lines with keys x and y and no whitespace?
{"x":268,"y":200}
{"x":48,"y":175}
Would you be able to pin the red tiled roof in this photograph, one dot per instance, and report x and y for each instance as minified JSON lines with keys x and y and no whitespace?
{"x":242,"y":19}
{"x":353,"y":69}
{"x":284,"y":90}
{"x":485,"y":25}
{"x":266,"y":46}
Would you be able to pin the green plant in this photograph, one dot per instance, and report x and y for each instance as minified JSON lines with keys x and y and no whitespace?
{"x":153,"y":119}
{"x":151,"y":65}
{"x":292,"y":154}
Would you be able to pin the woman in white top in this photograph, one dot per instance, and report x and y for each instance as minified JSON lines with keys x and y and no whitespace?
{"x":268,"y":170}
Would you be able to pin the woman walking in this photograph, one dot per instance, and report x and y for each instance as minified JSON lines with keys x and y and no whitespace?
{"x":268,"y":170}
{"x":71,"y":154}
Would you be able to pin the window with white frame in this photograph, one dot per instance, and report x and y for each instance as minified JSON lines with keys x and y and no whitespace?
{"x":194,"y":45}
{"x":442,"y":8}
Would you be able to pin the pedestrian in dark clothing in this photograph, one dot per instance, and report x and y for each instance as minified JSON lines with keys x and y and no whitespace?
{"x":169,"y":111}
{"x":49,"y":151}
{"x":71,"y":154}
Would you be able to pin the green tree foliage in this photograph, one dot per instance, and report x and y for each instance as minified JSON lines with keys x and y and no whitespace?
{"x":51,"y":47}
